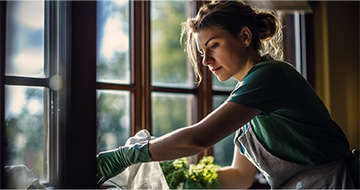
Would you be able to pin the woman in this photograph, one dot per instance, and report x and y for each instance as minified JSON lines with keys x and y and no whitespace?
{"x":285,"y":130}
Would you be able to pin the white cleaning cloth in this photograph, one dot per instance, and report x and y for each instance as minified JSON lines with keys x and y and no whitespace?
{"x":139,"y":176}
{"x":20,"y":177}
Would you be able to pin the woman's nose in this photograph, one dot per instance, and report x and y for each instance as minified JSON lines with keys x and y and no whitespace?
{"x":207,"y":59}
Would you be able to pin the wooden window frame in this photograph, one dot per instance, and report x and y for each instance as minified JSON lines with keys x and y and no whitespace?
{"x":49,"y":95}
{"x":140,"y":86}
{"x":73,"y":116}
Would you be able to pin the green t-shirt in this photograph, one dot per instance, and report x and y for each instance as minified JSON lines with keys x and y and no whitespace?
{"x":294,"y":124}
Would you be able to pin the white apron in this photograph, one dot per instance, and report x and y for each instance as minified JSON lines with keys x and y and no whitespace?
{"x":281,"y":174}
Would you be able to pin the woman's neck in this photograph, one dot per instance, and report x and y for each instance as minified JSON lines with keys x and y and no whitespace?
{"x":252,"y":59}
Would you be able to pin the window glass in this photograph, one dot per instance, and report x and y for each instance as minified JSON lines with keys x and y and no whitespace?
{"x":25,"y":38}
{"x":223,"y":150}
{"x":113,"y":41}
{"x":170,"y":111}
{"x":169,"y":64}
{"x":228,"y":85}
{"x":113,"y":118}
{"x":26,"y":135}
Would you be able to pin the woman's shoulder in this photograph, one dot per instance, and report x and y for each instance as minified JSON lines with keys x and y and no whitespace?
{"x":272,"y":70}
{"x":269,"y":74}
{"x":269,"y":68}
{"x":273,"y":64}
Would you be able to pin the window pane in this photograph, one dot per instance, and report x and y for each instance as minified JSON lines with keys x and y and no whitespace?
{"x":25,"y":38}
{"x":169,"y":64}
{"x":170,"y":111}
{"x":223,"y":150}
{"x":228,"y":85}
{"x":25,"y":129}
{"x":113,"y":118}
{"x":113,"y":40}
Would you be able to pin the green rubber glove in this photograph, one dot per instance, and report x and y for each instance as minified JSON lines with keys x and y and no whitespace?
{"x":113,"y":162}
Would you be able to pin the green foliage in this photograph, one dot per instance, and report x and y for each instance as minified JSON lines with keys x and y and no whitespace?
{"x":174,"y":172}
{"x":205,"y":171}
{"x":195,"y":176}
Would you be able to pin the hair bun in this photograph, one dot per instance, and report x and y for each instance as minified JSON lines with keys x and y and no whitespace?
{"x":268,"y":25}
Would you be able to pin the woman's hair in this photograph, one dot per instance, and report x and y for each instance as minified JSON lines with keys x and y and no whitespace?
{"x":232,"y":16}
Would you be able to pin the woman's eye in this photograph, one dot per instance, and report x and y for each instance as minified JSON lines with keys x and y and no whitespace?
{"x":214,"y":46}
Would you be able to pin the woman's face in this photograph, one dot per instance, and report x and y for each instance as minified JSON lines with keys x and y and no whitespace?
{"x":224,"y":54}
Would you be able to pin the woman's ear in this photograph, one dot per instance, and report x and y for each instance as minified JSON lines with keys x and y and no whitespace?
{"x":246,"y":36}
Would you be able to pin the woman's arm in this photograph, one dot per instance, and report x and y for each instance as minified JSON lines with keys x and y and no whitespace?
{"x":193,"y":139}
{"x":240,"y":175}
{"x":179,"y":143}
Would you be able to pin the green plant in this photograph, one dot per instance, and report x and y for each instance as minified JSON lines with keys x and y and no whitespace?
{"x":174,"y":172}
{"x":195,"y":176}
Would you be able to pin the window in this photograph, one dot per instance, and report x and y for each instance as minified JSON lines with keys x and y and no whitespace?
{"x":113,"y":67}
{"x":33,"y":86}
{"x":169,"y":68}
{"x":42,"y":109}
{"x":27,"y":94}
{"x":295,"y":39}
{"x":144,"y":79}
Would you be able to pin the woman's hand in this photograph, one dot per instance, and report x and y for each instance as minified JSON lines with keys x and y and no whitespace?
{"x":240,"y":175}
{"x":113,"y":162}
